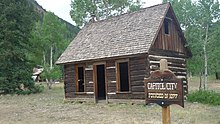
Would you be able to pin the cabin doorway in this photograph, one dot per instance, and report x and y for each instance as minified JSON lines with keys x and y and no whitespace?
{"x":100,"y":80}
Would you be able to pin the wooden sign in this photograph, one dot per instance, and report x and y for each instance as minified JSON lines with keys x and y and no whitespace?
{"x":164,"y":88}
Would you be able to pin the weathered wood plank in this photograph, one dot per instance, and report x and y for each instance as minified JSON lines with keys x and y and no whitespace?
{"x":137,"y":88}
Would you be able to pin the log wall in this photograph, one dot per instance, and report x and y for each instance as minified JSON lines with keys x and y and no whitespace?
{"x":111,"y":76}
{"x":138,"y":67}
{"x":176,"y":64}
{"x":69,"y":81}
{"x":171,"y":47}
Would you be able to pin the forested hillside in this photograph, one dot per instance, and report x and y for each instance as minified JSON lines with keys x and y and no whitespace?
{"x":30,"y":36}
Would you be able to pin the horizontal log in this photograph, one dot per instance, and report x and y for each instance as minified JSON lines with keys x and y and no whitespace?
{"x":177,"y":65}
{"x":69,"y":81}
{"x":180,"y":74}
{"x":111,"y":89}
{"x":89,"y":84}
{"x":69,"y":89}
{"x":159,"y":52}
{"x":139,"y":61}
{"x":111,"y":78}
{"x":111,"y":74}
{"x":88,"y":69}
{"x":140,"y":72}
{"x":69,"y":95}
{"x":111,"y":93}
{"x":154,"y":67}
{"x":111,"y":84}
{"x":181,"y":64}
{"x":69,"y":67}
{"x":111,"y":68}
{"x":137,"y":83}
{"x":140,"y":93}
{"x":89,"y":89}
{"x":158,"y":58}
{"x":170,"y":60}
{"x":178,"y":70}
{"x":69,"y":84}
{"x":182,"y":77}
{"x":137,"y":88}
{"x":110,"y":63}
{"x":88,"y":80}
{"x":137,"y":68}
{"x":137,"y":77}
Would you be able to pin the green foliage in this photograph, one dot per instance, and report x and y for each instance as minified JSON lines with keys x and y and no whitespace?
{"x":51,"y":33}
{"x":54,"y":73}
{"x":205,"y":97}
{"x":34,"y":89}
{"x":82,"y":10}
{"x":194,"y":16}
{"x":17,"y":20}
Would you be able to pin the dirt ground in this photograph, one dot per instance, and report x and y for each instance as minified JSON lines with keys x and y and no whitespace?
{"x":48,"y":108}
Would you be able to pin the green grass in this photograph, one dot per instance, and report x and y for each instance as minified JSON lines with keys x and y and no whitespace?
{"x":205,"y":97}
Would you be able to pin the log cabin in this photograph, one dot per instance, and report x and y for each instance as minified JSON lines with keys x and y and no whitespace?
{"x":109,"y":59}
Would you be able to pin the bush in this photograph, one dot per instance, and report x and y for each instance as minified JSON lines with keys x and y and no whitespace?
{"x":205,"y":97}
{"x":37,"y":89}
{"x":34,"y":89}
{"x":54,"y":74}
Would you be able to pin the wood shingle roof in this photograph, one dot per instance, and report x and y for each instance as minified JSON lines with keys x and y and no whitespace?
{"x":128,"y":34}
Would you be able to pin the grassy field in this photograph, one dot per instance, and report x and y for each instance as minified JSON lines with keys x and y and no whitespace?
{"x":48,"y":108}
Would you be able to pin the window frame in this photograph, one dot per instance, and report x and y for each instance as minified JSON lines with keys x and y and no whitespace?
{"x":118,"y":87}
{"x":77,"y":78}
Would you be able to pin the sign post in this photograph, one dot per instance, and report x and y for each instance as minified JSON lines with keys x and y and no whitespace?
{"x":165,"y":109}
{"x":164,"y":88}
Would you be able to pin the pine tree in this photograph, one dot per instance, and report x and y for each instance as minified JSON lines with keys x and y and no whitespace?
{"x":16,"y":22}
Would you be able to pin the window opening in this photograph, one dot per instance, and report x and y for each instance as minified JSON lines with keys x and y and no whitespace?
{"x":166,"y":26}
{"x":124,"y":79}
{"x":80,"y":79}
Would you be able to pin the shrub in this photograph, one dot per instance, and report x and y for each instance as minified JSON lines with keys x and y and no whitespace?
{"x":54,"y":74}
{"x":37,"y":89}
{"x":205,"y":97}
{"x":34,"y":89}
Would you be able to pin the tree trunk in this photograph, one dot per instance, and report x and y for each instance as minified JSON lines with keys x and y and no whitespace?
{"x":44,"y":59}
{"x":51,"y":57}
{"x":49,"y":83}
{"x":206,"y":58}
{"x":217,"y":76}
{"x":200,"y":81}
{"x":95,"y":11}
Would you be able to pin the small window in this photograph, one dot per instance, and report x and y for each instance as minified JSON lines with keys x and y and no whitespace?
{"x":80,"y":85}
{"x":123,"y":76}
{"x":166,"y":26}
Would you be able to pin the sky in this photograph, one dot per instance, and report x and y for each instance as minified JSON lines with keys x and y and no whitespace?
{"x":62,"y":8}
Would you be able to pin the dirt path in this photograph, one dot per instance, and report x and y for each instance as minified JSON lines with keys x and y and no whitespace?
{"x":48,"y":108}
